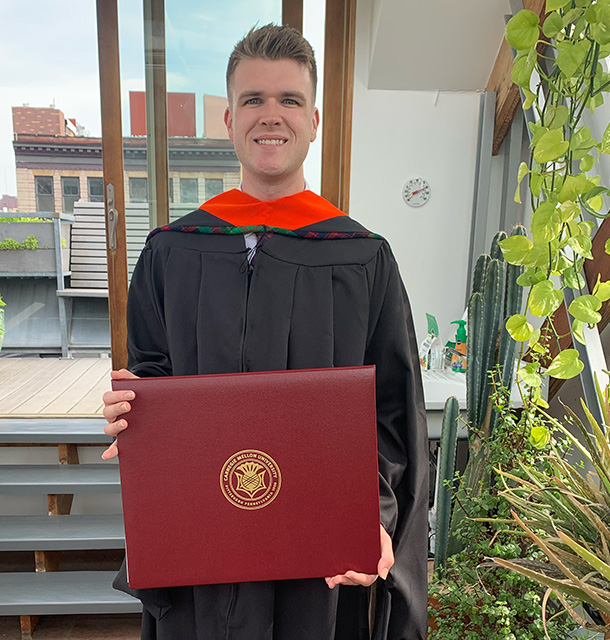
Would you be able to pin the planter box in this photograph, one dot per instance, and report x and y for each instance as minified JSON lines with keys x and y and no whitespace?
{"x":34,"y":262}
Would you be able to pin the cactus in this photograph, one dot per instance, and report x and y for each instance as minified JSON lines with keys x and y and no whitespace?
{"x":446,"y":471}
{"x":495,"y":296}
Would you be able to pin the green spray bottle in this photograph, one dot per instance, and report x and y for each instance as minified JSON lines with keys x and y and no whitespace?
{"x":458,"y":359}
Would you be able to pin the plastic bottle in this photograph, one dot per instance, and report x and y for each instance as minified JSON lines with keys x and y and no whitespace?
{"x":458,"y":359}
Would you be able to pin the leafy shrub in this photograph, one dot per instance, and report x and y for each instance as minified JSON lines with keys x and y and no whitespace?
{"x":6,"y":219}
{"x":30,"y":243}
{"x":10,"y":245}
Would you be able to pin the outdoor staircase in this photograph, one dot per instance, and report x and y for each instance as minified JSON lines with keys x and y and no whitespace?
{"x":48,"y":590}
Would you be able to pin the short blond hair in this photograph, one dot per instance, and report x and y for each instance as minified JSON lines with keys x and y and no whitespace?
{"x":273,"y":42}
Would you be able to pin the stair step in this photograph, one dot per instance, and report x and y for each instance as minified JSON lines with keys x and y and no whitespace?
{"x":53,"y":430}
{"x":49,"y":533}
{"x":63,"y":592}
{"x":59,"y":478}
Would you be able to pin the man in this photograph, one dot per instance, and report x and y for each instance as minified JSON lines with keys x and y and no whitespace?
{"x":273,"y":277}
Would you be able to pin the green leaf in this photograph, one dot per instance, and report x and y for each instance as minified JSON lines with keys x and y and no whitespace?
{"x":552,"y":5}
{"x":539,"y":256}
{"x":539,"y":437}
{"x":530,"y":96}
{"x":556,"y":117}
{"x":585,"y":308}
{"x":571,"y":56}
{"x":577,"y":330}
{"x":596,"y":203}
{"x":597,"y":563}
{"x":572,"y":16}
{"x":519,"y":328}
{"x":598,"y":16}
{"x":574,"y":186}
{"x":531,"y":379}
{"x":522,"y":30}
{"x":587,"y":163}
{"x":553,"y":24}
{"x":515,"y":248}
{"x":607,"y":246}
{"x":573,"y":279}
{"x":605,"y":148}
{"x":565,"y":365}
{"x":551,"y":146}
{"x":581,"y":143}
{"x":568,"y":210}
{"x":523,"y":171}
{"x":586,"y":227}
{"x":530,"y":276}
{"x":546,"y":223}
{"x":581,"y":245}
{"x":523,"y":66}
{"x":602,"y":290}
{"x":544,"y":299}
{"x":536,"y":183}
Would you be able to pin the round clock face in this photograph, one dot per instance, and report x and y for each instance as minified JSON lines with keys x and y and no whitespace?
{"x":416,"y":192}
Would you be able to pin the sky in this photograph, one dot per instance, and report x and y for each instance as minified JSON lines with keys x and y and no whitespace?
{"x":48,"y":56}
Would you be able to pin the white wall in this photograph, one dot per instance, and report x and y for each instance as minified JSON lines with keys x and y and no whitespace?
{"x":401,"y":134}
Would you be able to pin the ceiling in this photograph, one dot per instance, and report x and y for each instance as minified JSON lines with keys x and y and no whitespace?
{"x":427,"y":45}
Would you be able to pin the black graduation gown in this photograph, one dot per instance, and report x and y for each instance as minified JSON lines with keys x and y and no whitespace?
{"x":196,"y":306}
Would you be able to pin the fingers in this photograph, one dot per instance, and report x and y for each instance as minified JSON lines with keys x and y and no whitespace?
{"x":116,"y":404}
{"x":114,"y":428}
{"x":386,"y":561}
{"x":111,"y":452}
{"x":352,"y":579}
{"x":122,"y":374}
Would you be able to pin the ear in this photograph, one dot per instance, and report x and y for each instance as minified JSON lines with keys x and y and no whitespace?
{"x":228,"y":118}
{"x":315,"y":124}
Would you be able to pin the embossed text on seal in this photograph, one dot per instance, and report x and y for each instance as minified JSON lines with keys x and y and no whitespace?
{"x":250,"y":479}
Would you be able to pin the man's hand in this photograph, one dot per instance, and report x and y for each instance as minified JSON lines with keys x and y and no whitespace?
{"x":115,"y":404}
{"x":354,"y":579}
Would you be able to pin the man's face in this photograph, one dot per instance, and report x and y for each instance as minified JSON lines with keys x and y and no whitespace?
{"x":271,"y":118}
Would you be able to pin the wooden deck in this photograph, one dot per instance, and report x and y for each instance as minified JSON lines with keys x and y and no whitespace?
{"x":53,"y":387}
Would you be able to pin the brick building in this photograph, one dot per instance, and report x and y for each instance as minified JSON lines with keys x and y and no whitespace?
{"x":56,"y":165}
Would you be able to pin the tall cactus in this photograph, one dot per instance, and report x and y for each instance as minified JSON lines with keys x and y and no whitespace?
{"x":495,"y":296}
{"x":446,"y":471}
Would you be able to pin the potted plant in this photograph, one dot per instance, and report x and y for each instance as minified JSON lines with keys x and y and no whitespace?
{"x":564,"y":193}
{"x":27,"y":244}
{"x":566,"y":513}
{"x":470,"y":597}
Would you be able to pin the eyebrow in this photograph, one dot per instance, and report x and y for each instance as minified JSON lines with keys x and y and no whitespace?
{"x":283,"y":94}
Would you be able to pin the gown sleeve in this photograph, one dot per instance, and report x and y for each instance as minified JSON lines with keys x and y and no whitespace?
{"x":147,"y":349}
{"x":147,"y":356}
{"x":403,"y":454}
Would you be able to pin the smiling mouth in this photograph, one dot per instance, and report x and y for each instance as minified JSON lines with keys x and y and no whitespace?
{"x":276,"y":142}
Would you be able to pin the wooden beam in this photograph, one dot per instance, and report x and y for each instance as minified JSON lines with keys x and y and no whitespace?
{"x":339,"y":53}
{"x":508,"y":98}
{"x":156,"y":112}
{"x":292,"y":14}
{"x":28,"y":626}
{"x":112,"y":155}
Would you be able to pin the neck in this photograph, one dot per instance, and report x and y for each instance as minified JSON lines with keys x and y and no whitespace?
{"x":273,"y":190}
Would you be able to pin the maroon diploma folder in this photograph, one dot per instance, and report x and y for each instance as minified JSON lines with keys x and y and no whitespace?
{"x":250,"y":476}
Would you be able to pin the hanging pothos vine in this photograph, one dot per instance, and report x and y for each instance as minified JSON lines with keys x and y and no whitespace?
{"x":559,"y":67}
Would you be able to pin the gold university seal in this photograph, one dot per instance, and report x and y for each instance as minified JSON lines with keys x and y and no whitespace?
{"x":250,"y":479}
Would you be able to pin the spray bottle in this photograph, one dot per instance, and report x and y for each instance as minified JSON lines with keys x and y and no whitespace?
{"x":458,"y":359}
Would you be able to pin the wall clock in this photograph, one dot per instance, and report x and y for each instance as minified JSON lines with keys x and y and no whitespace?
{"x":416,"y":192}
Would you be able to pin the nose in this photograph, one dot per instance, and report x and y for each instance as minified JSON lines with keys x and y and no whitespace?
{"x":270,"y":113}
